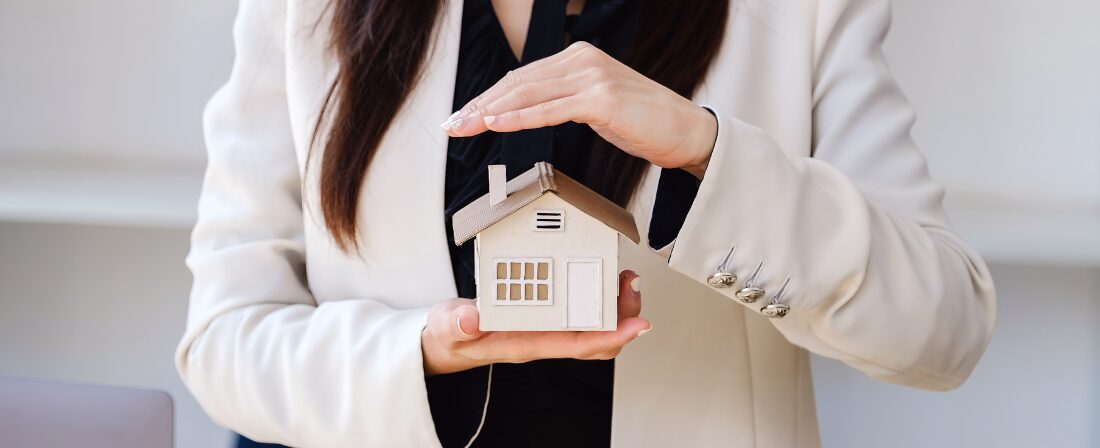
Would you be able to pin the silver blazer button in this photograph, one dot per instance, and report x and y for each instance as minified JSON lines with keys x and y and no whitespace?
{"x":723,"y":277}
{"x":751,"y":293}
{"x":774,"y":309}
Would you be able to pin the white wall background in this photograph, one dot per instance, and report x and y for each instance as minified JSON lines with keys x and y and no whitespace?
{"x":123,"y":79}
{"x":99,"y":124}
{"x":1007,"y":95}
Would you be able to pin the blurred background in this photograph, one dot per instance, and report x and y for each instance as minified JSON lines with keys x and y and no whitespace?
{"x":101,"y":158}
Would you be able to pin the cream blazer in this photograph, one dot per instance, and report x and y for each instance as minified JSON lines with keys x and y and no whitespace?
{"x":814,"y":172}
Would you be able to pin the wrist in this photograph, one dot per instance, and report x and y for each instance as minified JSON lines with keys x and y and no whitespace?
{"x":697,"y":169}
{"x":704,"y":136}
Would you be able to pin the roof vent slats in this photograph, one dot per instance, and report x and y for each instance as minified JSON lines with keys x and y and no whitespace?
{"x":549,"y":220}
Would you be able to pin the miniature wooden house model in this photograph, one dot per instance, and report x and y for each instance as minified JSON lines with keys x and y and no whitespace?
{"x":546,"y":252}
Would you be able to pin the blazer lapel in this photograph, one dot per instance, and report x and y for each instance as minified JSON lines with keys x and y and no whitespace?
{"x":402,"y":199}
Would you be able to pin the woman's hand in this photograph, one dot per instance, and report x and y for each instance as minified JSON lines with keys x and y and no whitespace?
{"x":585,"y":85}
{"x":451,"y":341}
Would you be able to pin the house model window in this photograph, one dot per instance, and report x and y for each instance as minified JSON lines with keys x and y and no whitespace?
{"x":549,"y":220}
{"x":523,"y":281}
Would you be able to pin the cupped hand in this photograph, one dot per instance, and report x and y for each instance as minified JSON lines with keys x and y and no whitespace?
{"x":585,"y":85}
{"x":451,"y":341}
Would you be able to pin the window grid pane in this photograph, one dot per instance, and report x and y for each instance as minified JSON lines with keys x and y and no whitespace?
{"x":523,"y":281}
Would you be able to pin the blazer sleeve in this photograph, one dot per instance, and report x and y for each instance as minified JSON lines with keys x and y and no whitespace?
{"x":259,"y":354}
{"x":878,"y":278}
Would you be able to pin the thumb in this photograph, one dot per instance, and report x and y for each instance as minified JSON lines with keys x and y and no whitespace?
{"x":464,"y":323}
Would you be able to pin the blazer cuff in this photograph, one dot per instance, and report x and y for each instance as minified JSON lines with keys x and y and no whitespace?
{"x":408,"y":395}
{"x":745,"y":207}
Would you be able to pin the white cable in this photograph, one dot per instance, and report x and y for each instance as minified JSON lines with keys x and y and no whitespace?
{"x":484,"y":409}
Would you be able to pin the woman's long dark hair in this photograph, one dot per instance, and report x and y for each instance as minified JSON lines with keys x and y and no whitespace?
{"x":381,"y":45}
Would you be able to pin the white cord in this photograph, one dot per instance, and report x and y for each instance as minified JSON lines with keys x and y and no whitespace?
{"x":484,"y":409}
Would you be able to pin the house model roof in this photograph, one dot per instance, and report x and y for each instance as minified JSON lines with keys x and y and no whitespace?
{"x":531,"y":185}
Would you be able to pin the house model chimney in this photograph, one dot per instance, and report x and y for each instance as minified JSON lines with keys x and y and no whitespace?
{"x":498,"y":184}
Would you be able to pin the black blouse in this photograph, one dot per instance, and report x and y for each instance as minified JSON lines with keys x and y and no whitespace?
{"x":551,"y":403}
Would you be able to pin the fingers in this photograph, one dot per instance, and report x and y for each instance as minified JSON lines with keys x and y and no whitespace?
{"x":630,"y":296}
{"x":548,"y":73}
{"x":550,"y":113}
{"x":467,"y":120}
{"x":521,"y":347}
{"x":629,"y":334}
{"x":630,"y":306}
{"x":543,"y":69}
{"x":553,"y":66}
{"x":521,"y":97}
{"x":528,"y":95}
{"x":607,"y":345}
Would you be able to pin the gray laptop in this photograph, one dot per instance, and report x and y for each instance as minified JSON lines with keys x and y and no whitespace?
{"x":48,"y":415}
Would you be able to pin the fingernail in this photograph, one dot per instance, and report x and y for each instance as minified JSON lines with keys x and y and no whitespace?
{"x":636,"y":284}
{"x":453,"y":123}
{"x":489,"y":119}
{"x":458,"y":321}
{"x":640,"y":333}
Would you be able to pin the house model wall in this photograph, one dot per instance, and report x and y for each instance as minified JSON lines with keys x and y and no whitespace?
{"x":547,"y":253}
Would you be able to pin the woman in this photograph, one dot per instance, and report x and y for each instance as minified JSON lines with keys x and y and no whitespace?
{"x":323,"y":309}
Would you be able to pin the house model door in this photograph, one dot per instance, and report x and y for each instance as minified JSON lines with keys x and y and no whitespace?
{"x":584,"y":291}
